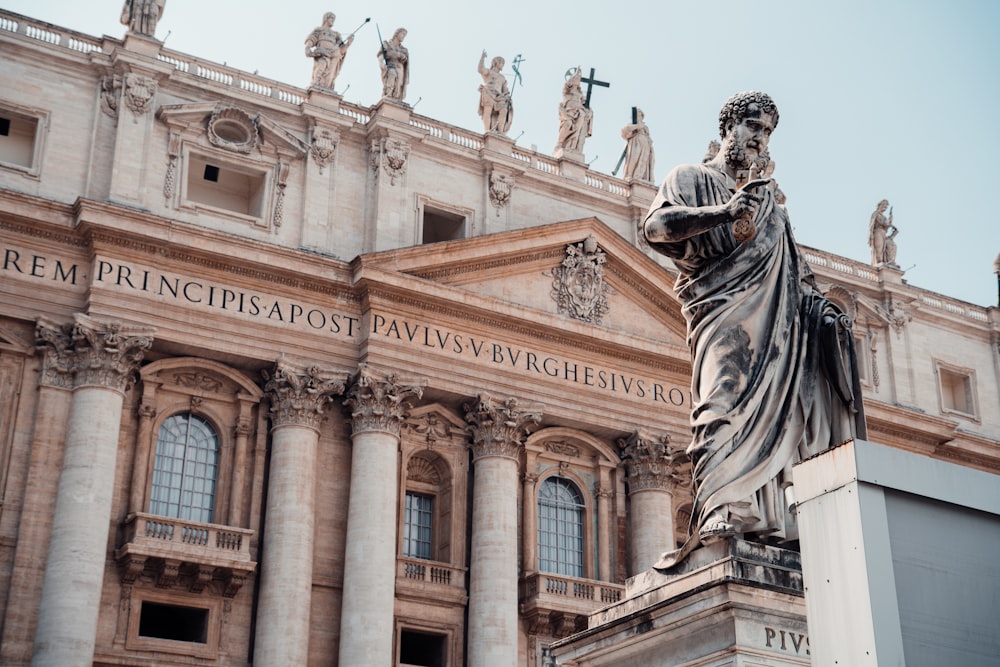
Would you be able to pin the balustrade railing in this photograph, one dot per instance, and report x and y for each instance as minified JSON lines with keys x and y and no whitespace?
{"x":187,"y":539}
{"x":543,"y":590}
{"x":430,"y":572}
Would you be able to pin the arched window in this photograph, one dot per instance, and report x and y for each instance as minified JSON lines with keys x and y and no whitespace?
{"x":560,"y":528}
{"x":185,"y":469}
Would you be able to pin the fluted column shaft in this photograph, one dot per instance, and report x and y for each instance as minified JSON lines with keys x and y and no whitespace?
{"x":100,"y":360}
{"x":378,"y":405}
{"x":498,"y":431}
{"x":298,"y":397}
{"x":654,"y":467}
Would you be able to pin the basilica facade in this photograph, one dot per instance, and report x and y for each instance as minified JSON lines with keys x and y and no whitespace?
{"x":285,"y":380}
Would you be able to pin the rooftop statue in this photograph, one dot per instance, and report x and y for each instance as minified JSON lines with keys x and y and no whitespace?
{"x":774,"y":376}
{"x":394,"y":60}
{"x":141,"y":16}
{"x":575,"y":118}
{"x":881,"y":236}
{"x":495,"y":105}
{"x":327,"y":49}
{"x":638,"y":149}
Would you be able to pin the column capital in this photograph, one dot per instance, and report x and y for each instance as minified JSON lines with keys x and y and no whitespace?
{"x":652,"y":462}
{"x":378,"y":401}
{"x":299,"y":393}
{"x":90,"y":352}
{"x":498,"y":427}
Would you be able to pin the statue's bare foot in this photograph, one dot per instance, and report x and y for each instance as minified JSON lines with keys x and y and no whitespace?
{"x":716,"y":528}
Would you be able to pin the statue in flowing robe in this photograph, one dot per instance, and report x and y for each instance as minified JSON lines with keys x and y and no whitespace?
{"x":495,"y":105}
{"x":394,"y":61}
{"x":639,"y":158}
{"x":327,"y":49}
{"x":774,"y":376}
{"x":575,"y":118}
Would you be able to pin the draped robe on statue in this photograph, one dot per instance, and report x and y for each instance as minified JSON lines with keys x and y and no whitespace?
{"x":774,"y":375}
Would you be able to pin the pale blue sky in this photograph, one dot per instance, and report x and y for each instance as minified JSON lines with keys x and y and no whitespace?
{"x":879,"y":99}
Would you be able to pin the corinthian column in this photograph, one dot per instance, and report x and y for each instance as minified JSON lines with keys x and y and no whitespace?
{"x":100,"y":360}
{"x":298,"y":397}
{"x":654,"y":468}
{"x":378,"y":406}
{"x":498,"y":431}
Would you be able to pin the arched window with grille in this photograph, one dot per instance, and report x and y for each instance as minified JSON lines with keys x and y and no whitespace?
{"x":560,"y":528}
{"x":185,"y":469}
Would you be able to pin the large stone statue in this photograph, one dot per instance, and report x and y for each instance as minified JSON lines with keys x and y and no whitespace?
{"x":773,"y":367}
{"x":881,"y":236}
{"x":394,"y":60}
{"x":638,"y":149}
{"x":575,"y":118}
{"x":325,"y":46}
{"x":495,"y":105}
{"x":141,"y":16}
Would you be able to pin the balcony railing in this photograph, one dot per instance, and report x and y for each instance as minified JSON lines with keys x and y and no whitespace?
{"x":430,"y":577}
{"x":553,"y":591}
{"x":174,"y":549}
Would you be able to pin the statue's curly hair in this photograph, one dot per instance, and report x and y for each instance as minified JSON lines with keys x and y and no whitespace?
{"x":737,"y":107}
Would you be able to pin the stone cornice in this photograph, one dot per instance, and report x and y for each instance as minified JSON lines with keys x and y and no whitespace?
{"x":378,"y":401}
{"x":299,"y":395}
{"x":498,"y":427}
{"x":91,"y":352}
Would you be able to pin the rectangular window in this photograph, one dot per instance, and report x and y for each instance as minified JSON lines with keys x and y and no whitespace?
{"x":421,"y":649}
{"x":442,"y":226}
{"x":166,"y":621}
{"x":957,"y":394}
{"x":418,"y":528}
{"x":226,"y":186}
{"x":18,"y":140}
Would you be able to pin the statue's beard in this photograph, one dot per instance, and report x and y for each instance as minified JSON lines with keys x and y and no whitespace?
{"x":737,"y":158}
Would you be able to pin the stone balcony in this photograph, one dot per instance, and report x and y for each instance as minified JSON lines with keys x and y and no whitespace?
{"x":175,"y":552}
{"x":421,"y":579}
{"x":558,"y":605}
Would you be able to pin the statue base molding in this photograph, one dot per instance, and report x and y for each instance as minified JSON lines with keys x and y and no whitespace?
{"x":732,"y":603}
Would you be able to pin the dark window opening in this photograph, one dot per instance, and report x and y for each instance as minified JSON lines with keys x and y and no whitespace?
{"x":5,"y":127}
{"x":211,"y":173}
{"x":165,"y":621}
{"x":421,"y":649}
{"x":440,"y":226}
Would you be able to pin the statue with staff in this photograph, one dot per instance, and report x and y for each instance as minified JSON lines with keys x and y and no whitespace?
{"x":327,"y":49}
{"x":394,"y":61}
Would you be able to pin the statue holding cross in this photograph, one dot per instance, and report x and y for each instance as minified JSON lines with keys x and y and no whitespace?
{"x":575,"y":116}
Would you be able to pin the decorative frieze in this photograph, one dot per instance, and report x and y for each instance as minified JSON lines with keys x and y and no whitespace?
{"x":578,"y":284}
{"x":653,"y":463}
{"x":498,"y":427}
{"x":90,"y":352}
{"x":378,"y":402}
{"x":299,"y":395}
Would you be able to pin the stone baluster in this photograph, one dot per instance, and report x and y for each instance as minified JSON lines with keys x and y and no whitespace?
{"x":378,"y":405}
{"x":498,"y":430}
{"x":298,"y":397}
{"x":102,"y":359}
{"x":654,"y":468}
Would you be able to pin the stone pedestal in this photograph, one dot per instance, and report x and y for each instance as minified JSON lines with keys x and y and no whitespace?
{"x":730,"y":604}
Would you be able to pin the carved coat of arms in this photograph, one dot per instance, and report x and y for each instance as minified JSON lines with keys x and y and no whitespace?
{"x":578,"y":284}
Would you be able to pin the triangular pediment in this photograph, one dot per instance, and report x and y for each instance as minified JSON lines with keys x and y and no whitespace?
{"x":578,"y":273}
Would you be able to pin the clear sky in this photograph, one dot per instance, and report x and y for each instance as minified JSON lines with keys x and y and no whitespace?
{"x":894,"y":99}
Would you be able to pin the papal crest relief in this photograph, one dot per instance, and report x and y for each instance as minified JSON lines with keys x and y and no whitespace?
{"x":578,"y":284}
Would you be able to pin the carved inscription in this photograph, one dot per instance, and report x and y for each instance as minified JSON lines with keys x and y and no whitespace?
{"x":786,"y":640}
